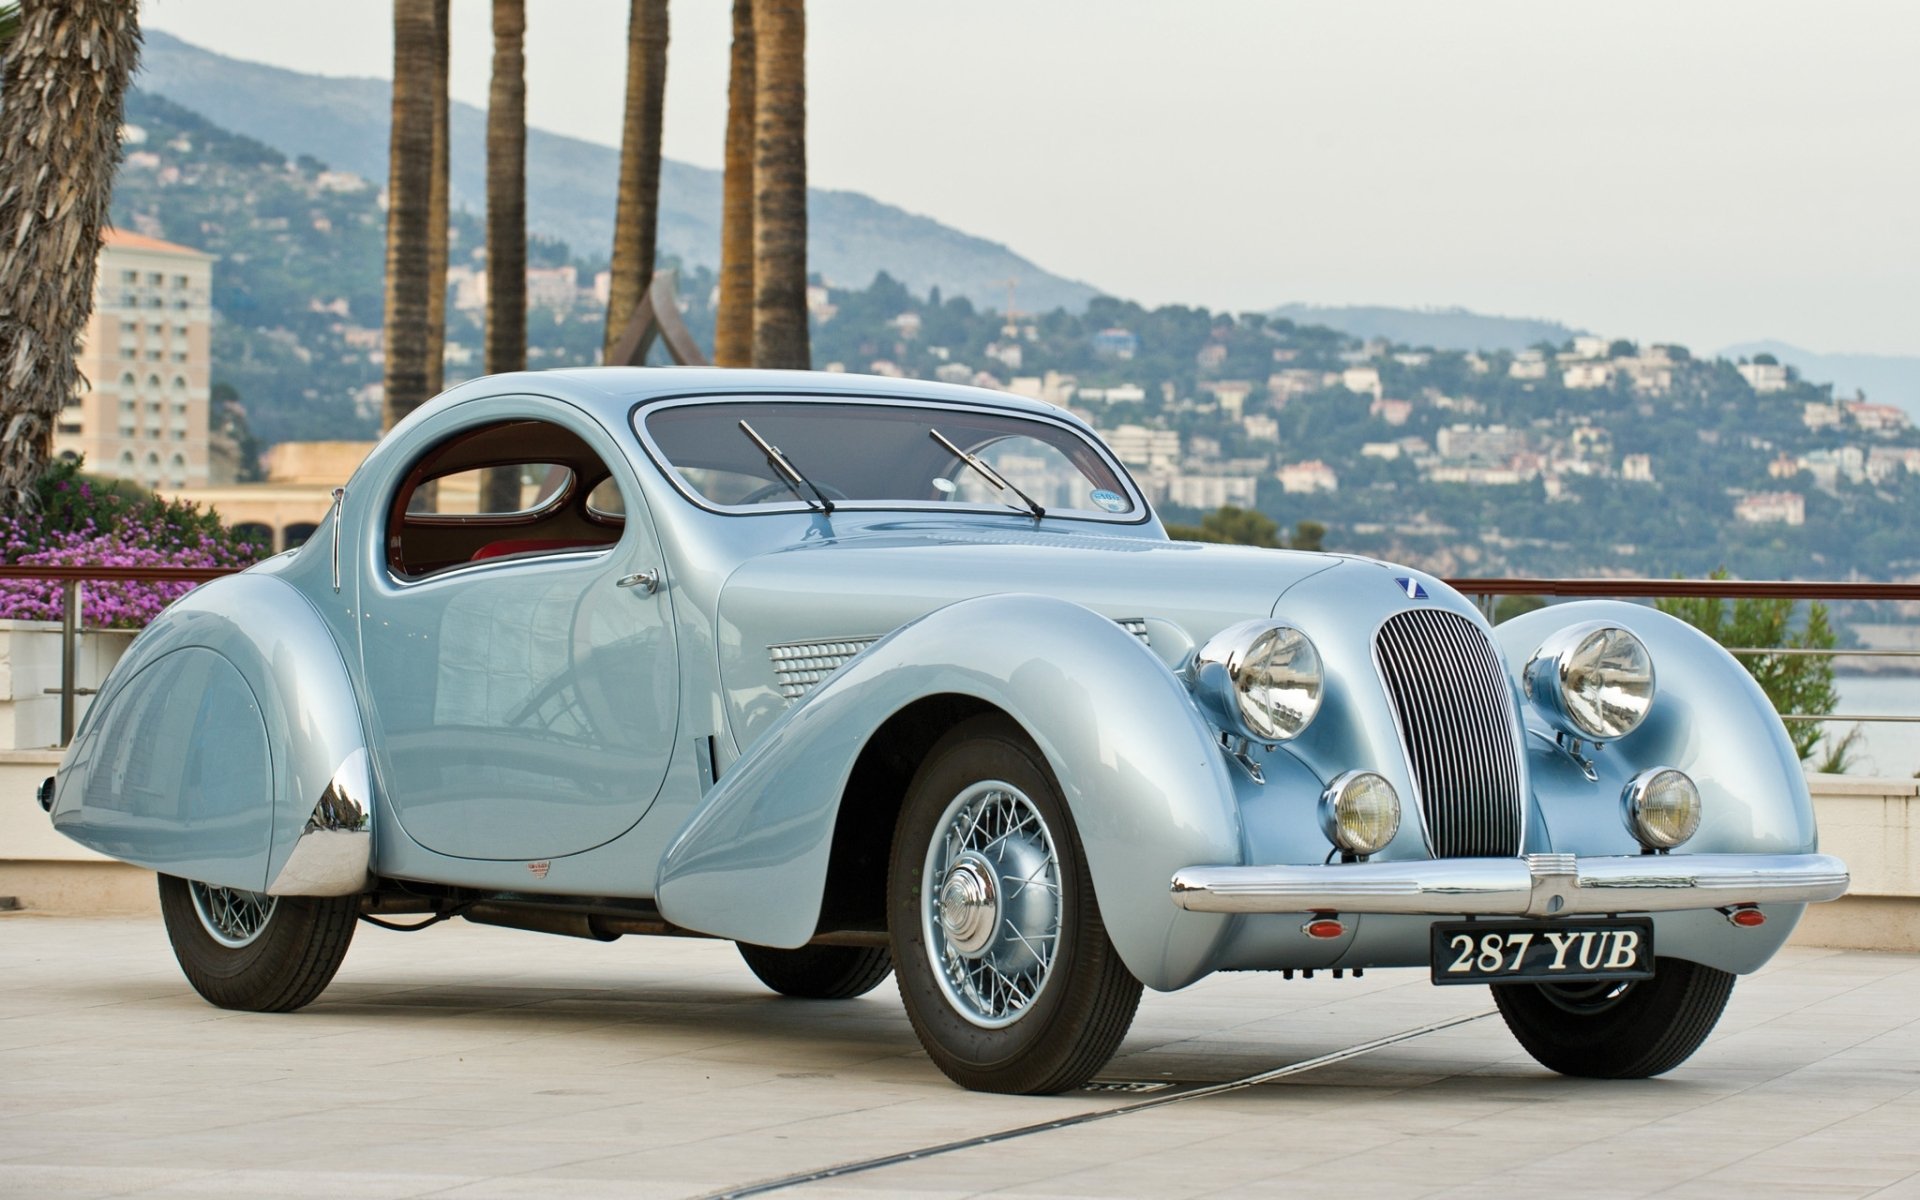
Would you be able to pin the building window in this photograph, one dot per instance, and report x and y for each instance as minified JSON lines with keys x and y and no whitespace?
{"x":129,"y":277}
{"x":127,"y":380}
{"x":153,"y":382}
{"x":156,"y":278}
{"x":70,"y":427}
{"x":129,"y":352}
{"x":129,"y":327}
{"x":179,"y":383}
{"x":127,"y":406}
{"x":179,"y":356}
{"x":180,"y":281}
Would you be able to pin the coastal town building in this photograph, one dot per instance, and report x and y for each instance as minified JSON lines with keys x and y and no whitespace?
{"x":146,"y":361}
{"x":1772,"y":508}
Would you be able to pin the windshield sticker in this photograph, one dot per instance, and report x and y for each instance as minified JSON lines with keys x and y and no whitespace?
{"x":1113,"y":502}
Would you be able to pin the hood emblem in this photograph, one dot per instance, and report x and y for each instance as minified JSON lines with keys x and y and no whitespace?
{"x":1411,"y":586}
{"x":539,"y":869}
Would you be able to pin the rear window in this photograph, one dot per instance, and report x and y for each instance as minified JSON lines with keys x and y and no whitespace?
{"x":885,"y":455}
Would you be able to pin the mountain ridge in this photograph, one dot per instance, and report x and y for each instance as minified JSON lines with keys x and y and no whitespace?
{"x":343,"y":121}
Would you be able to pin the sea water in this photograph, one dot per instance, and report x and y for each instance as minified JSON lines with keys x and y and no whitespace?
{"x":1885,"y":748}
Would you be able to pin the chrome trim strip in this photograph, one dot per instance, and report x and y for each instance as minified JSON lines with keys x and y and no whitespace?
{"x":333,"y":855}
{"x":1537,"y":885}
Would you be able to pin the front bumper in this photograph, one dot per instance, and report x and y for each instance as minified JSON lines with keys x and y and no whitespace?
{"x":1537,"y":885}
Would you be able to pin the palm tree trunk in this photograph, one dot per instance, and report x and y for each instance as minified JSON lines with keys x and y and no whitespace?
{"x":66,"y":74}
{"x":409,"y":209}
{"x":780,"y":185}
{"x":437,"y":211}
{"x":637,"y":213}
{"x":733,"y":327}
{"x":507,"y":217}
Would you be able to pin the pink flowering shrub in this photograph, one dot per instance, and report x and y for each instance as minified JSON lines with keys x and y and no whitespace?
{"x":93,"y":523}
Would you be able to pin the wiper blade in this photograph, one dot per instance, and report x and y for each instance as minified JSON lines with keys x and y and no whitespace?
{"x":788,"y":473}
{"x":988,"y":473}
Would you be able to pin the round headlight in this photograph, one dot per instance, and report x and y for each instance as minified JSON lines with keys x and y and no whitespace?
{"x":1261,"y":678}
{"x":1662,"y":808}
{"x":1360,"y":812}
{"x":1593,"y":681}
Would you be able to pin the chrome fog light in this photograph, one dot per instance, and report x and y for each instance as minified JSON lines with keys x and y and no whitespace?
{"x":1360,"y":812}
{"x":1661,"y":807}
{"x":1593,"y":681}
{"x":1260,"y":678}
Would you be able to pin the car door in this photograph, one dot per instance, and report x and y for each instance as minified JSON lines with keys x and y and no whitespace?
{"x":518,"y":649}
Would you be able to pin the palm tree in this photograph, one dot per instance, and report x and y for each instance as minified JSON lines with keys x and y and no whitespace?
{"x":437,"y":210}
{"x":637,"y":211}
{"x":780,"y":184}
{"x":9,"y":25}
{"x":65,"y":79}
{"x":409,"y":208}
{"x":507,"y":191}
{"x":733,"y":327}
{"x":507,"y":217}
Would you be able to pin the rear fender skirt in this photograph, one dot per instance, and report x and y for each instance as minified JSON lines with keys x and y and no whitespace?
{"x":1143,"y":775}
{"x":227,"y":747}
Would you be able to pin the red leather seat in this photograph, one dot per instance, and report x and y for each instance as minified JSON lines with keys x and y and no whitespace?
{"x":508,"y":546}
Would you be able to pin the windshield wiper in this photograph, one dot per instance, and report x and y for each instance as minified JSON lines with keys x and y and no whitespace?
{"x":788,"y":473}
{"x":988,"y":473}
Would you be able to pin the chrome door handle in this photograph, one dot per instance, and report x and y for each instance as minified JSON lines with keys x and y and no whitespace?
{"x":647,"y":581}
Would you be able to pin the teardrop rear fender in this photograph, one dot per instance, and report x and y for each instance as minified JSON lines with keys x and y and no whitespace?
{"x":1140,"y":771}
{"x":227,"y":747}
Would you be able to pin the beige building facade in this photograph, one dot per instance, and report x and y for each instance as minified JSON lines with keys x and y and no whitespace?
{"x":147,"y":362}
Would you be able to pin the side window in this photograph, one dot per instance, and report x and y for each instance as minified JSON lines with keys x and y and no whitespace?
{"x":514,"y":490}
{"x":507,"y":490}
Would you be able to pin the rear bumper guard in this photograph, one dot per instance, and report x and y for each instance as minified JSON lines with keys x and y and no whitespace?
{"x":1536,"y":885}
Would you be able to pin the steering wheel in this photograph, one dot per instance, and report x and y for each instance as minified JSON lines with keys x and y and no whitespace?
{"x":777,"y":488}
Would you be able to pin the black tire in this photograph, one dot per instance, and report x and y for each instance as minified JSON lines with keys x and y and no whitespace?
{"x":1084,"y":999}
{"x":285,"y":966}
{"x":819,"y":972}
{"x":1632,"y":1031}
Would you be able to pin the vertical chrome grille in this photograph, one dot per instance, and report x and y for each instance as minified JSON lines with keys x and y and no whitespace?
{"x":1455,"y":714}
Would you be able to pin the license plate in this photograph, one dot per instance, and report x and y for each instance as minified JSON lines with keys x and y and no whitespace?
{"x":1563,"y":951}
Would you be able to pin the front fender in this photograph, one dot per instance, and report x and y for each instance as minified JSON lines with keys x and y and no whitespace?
{"x":1709,"y":718}
{"x":226,"y":746}
{"x":1140,"y":771}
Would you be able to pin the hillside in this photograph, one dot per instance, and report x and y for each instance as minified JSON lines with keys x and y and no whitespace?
{"x":570,"y":183}
{"x":1436,"y":328}
{"x":1888,"y":378}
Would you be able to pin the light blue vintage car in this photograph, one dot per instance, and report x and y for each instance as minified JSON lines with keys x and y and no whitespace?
{"x":871,"y":675}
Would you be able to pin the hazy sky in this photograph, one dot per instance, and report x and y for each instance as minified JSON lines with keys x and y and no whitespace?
{"x":1706,"y":171}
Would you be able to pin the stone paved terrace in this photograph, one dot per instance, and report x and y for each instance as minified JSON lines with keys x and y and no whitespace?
{"x":469,"y":1062}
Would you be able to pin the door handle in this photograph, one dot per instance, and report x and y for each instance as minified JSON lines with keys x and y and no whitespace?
{"x":647,"y":581}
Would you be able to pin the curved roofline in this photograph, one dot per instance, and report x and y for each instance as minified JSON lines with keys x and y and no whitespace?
{"x":627,"y":386}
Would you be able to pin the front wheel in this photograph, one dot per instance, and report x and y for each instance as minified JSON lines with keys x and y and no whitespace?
{"x":1617,"y":1030}
{"x":1002,"y":958}
{"x":254,"y":952}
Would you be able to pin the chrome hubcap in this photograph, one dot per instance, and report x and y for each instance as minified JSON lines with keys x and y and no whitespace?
{"x":993,"y":907}
{"x":230,"y":916}
{"x":969,"y":905}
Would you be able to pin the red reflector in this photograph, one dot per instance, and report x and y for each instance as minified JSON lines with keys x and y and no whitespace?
{"x":1747,"y":918}
{"x":1324,"y":928}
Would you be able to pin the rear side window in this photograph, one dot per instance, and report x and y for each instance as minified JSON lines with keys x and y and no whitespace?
{"x":510,"y":490}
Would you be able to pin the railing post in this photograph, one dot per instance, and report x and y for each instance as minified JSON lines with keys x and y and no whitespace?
{"x":69,"y":658}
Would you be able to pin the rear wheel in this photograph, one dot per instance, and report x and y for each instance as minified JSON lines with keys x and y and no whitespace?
{"x":254,"y":952}
{"x":1003,"y":961}
{"x":1615,"y":1030}
{"x":819,"y":972}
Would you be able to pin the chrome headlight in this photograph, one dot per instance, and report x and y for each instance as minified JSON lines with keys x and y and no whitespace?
{"x":1260,"y":678}
{"x":1662,"y":808}
{"x":1593,"y":681}
{"x":1360,"y":812}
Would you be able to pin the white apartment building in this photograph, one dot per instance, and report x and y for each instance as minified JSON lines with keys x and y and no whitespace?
{"x":146,"y":359}
{"x":1138,"y":446}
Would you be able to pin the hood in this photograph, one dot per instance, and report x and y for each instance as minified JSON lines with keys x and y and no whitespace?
{"x":844,"y":592}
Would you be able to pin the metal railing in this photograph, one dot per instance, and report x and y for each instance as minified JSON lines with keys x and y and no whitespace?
{"x":73,"y":580}
{"x":1484,"y":590}
{"x":1487,"y":591}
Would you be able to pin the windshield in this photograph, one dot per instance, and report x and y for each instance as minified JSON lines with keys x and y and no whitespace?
{"x":884,"y":454}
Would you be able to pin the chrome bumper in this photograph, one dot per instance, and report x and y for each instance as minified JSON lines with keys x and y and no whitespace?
{"x":1538,"y":885}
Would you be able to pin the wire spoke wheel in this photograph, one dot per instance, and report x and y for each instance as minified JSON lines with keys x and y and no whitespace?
{"x":993,"y":903}
{"x":1002,"y":957}
{"x":232,"y":917}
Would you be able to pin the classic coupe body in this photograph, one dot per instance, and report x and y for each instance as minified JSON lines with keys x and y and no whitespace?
{"x":870,"y":675}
